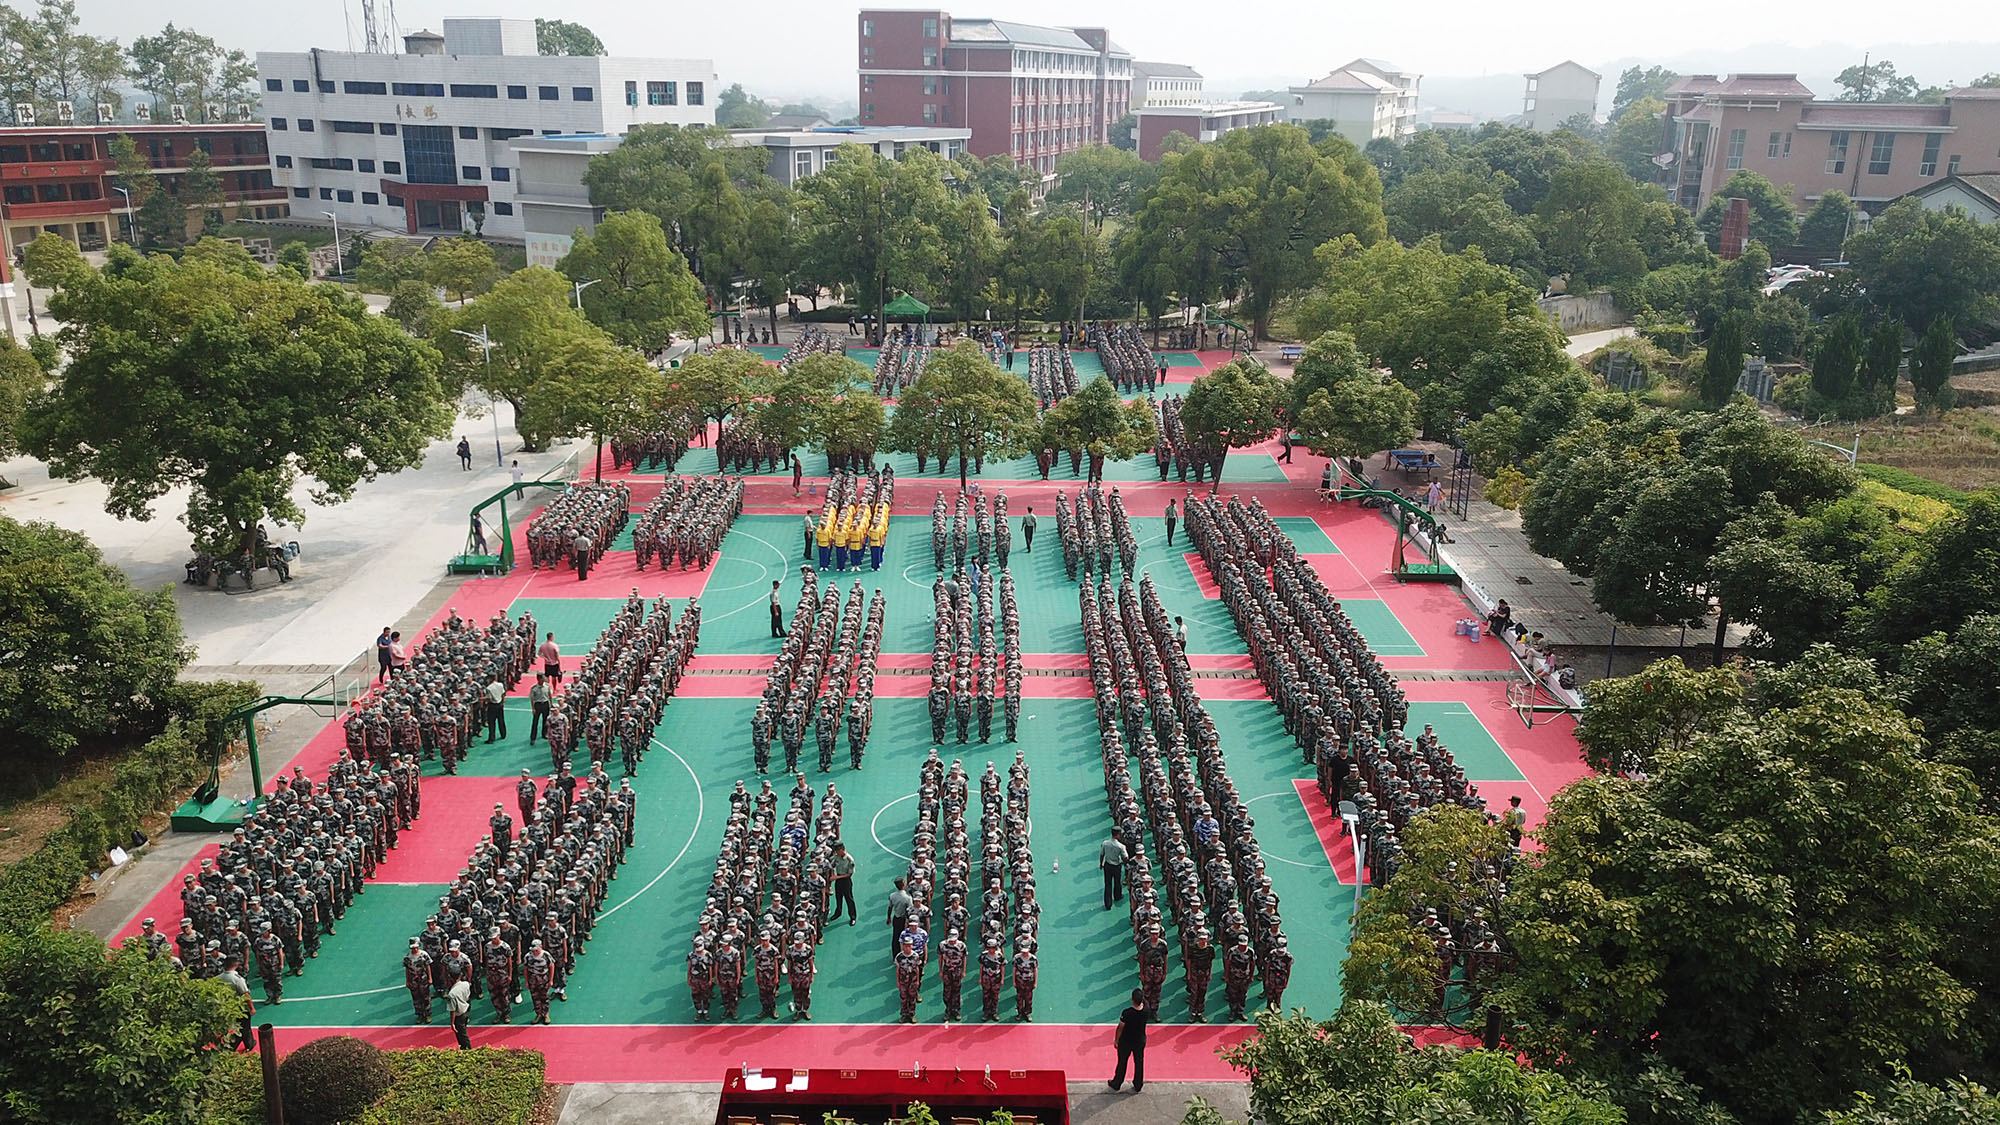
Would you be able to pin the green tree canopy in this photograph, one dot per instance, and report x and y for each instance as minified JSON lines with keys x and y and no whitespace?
{"x":122,"y":1037}
{"x":1633,"y":721}
{"x":1723,"y":365}
{"x":1837,"y":358}
{"x":1099,"y":422}
{"x":1635,"y":138}
{"x":182,"y":67}
{"x":874,"y":225}
{"x":1797,"y":578}
{"x":1919,"y":264}
{"x":1112,"y":178}
{"x":1804,"y":869}
{"x":46,"y":58}
{"x":1949,"y":575}
{"x":234,"y":385}
{"x":718,"y":383}
{"x":658,"y":169}
{"x":1465,"y":210}
{"x":641,"y":291}
{"x":201,"y":189}
{"x":1772,"y":220}
{"x":965,"y":407}
{"x":561,"y":37}
{"x":1589,"y":222}
{"x":462,"y":267}
{"x":1249,"y":210}
{"x":21,"y":378}
{"x":1234,"y":405}
{"x":1930,"y":364}
{"x":1824,"y":229}
{"x":1636,"y":84}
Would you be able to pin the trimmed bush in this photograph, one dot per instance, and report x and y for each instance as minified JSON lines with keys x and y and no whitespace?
{"x":232,"y":1092}
{"x":332,"y":1080}
{"x":483,"y":1086}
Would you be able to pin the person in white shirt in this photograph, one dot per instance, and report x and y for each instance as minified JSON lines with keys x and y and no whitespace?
{"x":496,"y":710}
{"x":458,"y":1001}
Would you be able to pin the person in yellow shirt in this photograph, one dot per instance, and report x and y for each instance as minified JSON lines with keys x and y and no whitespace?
{"x":878,"y":534}
{"x":824,"y":538}
{"x":840,"y":536}
{"x":857,"y":541}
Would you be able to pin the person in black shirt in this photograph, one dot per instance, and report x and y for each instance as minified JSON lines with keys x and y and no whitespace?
{"x":1132,"y":1042}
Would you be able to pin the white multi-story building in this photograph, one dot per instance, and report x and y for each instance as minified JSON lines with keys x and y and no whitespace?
{"x":418,"y":142}
{"x":1166,"y":84}
{"x":1556,"y":95}
{"x":1366,"y":99}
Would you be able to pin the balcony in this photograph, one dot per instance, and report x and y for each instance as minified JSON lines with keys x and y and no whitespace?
{"x":258,"y":195}
{"x":60,"y":209}
{"x":54,"y":170}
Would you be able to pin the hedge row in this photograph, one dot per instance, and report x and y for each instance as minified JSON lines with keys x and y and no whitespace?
{"x":175,"y":759}
{"x":1912,"y":483}
{"x":430,"y":1086}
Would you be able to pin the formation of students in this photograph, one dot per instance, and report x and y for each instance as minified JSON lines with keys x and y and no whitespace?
{"x":433,"y":704}
{"x":822,"y":672}
{"x":1204,"y":849}
{"x":1174,"y":450}
{"x":624,"y":685}
{"x":772,"y":882}
{"x":660,"y":444}
{"x":1091,"y":527}
{"x":1051,"y":374}
{"x":740,"y":447}
{"x":898,"y":365}
{"x":1128,"y":363}
{"x":940,"y":870}
{"x":965,"y":659}
{"x":687,"y":521}
{"x":513,"y":922}
{"x":853,"y":526}
{"x":577,"y":526}
{"x":289,"y":873}
{"x":813,"y":340}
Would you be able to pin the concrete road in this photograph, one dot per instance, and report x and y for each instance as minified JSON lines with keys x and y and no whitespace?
{"x":1583,"y":343}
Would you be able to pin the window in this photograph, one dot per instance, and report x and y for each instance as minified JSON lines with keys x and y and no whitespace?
{"x":503,"y":208}
{"x":867,"y":53}
{"x":502,"y":175}
{"x":1951,"y":167}
{"x":429,"y":153}
{"x":326,"y":193}
{"x":695,"y":93}
{"x":582,"y":94}
{"x":631,"y":93}
{"x":387,"y":128}
{"x":301,"y":193}
{"x":930,"y":86}
{"x":365,"y":87}
{"x":867,"y":28}
{"x":326,"y":86}
{"x":367,"y":127}
{"x":305,"y":125}
{"x":278,"y":123}
{"x":1771,"y":150}
{"x":1836,"y":152}
{"x":868,"y":82}
{"x":1931,"y":145}
{"x":331,"y":163}
{"x":508,"y":134}
{"x":663,"y":93}
{"x":468,"y":132}
{"x":930,"y":114}
{"x":284,"y":161}
{"x":930,"y":56}
{"x":275,"y":85}
{"x":517,"y":93}
{"x":301,"y":86}
{"x":364,"y":165}
{"x":417,"y":89}
{"x":394,"y":200}
{"x":469,"y":172}
{"x":474,"y":90}
{"x":392,"y":167}
{"x":371,"y":199}
{"x":547,"y":93}
{"x":1880,"y":153}
{"x":930,"y":29}
{"x":802,"y":164}
{"x":344,"y":195}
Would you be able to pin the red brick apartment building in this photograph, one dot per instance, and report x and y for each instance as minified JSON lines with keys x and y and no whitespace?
{"x":57,"y":179}
{"x":1025,"y":91}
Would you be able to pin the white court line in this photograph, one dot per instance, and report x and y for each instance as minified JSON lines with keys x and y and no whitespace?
{"x":1266,"y":849}
{"x":699,"y":809}
{"x":1532,"y":787}
{"x":782,"y":556}
{"x":872,"y":821}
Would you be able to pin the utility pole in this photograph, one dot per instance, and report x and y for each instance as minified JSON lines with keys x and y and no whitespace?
{"x":486,"y":346}
{"x":1083,"y":290}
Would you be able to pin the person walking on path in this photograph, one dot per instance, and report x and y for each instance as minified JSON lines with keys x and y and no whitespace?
{"x":519,"y":492}
{"x":458,"y":1001}
{"x":1131,"y":1041}
{"x":1173,"y":517}
{"x":478,"y":534}
{"x":246,"y":1039}
{"x":899,"y":914}
{"x":464,"y":455}
{"x":1432,"y":495}
{"x":777,"y":613}
{"x":843,"y":884}
{"x":1111,"y":857}
{"x":382,"y":655}
{"x":1028,"y":530}
{"x":798,"y":473}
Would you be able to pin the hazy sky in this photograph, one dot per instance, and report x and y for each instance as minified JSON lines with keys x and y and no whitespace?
{"x":796,"y":48}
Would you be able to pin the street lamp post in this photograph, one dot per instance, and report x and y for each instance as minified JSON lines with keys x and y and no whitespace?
{"x":577,"y":288}
{"x":131,"y":230}
{"x":338,"y":266}
{"x":486,"y":346}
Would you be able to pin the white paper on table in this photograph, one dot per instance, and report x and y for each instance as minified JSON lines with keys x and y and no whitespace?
{"x":798,"y":1083}
{"x":760,"y":1083}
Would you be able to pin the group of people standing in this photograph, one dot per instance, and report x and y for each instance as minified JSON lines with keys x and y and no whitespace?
{"x":1174,"y":449}
{"x":968,"y":529}
{"x":623,"y":686}
{"x":1091,"y":530}
{"x":824,"y":671}
{"x":453,"y":684}
{"x":1128,"y":363}
{"x":966,"y":667}
{"x":853,"y":526}
{"x":1204,"y":848}
{"x":687,"y":521}
{"x":578,"y":526}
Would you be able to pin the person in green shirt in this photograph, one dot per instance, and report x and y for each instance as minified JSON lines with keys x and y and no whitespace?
{"x":843,"y":883}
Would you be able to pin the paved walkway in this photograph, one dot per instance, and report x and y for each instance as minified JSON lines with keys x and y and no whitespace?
{"x":645,"y":1103}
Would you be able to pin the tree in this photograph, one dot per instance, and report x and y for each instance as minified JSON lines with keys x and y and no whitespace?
{"x":1637,"y":84}
{"x":1101,"y":423}
{"x":736,"y":109}
{"x":716,"y":233}
{"x":1948,"y":576}
{"x":1797,"y":578}
{"x":87,"y":652}
{"x":236,"y":386}
{"x":963,"y":406}
{"x":790,"y":404}
{"x":1588,"y":221}
{"x":561,"y":37}
{"x":123,"y":1037}
{"x":871,"y":223}
{"x":1881,"y":363}
{"x":641,"y":291}
{"x":719,"y":383}
{"x":1358,"y":417}
{"x":161,"y":222}
{"x":1635,"y":139}
{"x":1234,"y":405}
{"x":414,"y":305}
{"x":1930,"y":364}
{"x":1772,"y":220}
{"x":1124,"y":132}
{"x":1804,"y":868}
{"x":53,"y":61}
{"x":1875,"y":82}
{"x":1723,"y":365}
{"x":1466,"y":211}
{"x":1634,"y":721}
{"x":1251,"y":208}
{"x":1824,"y":229}
{"x":1112,"y":179}
{"x":658,"y":169}
{"x":21,"y":378}
{"x":1947,"y":682}
{"x":132,"y":170}
{"x":1919,"y":264}
{"x":462,"y":267}
{"x":1957,"y":1102}
{"x":182,"y":67}
{"x":1837,"y":359}
{"x":201,"y":189}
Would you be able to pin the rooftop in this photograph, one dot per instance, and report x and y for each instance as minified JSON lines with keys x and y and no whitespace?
{"x":1985,"y":185}
{"x":1350,"y":80}
{"x":1870,"y":115}
{"x":1166,"y":70}
{"x":1023,"y":34}
{"x":1695,"y":84}
{"x":1571,"y":64}
{"x":1762,"y":86}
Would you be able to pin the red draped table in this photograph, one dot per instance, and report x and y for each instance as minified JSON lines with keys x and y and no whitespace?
{"x":1042,"y":1094}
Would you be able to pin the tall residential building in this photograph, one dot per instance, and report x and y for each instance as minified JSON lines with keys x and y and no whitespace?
{"x":1366,"y":99}
{"x":58,"y":179}
{"x":418,"y":142}
{"x":1773,"y":125}
{"x":1026,"y":91}
{"x":1165,"y":84}
{"x":1556,"y":95}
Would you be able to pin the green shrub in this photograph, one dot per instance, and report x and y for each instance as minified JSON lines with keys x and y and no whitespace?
{"x":485,"y":1086}
{"x":1912,"y":483}
{"x":232,"y":1092}
{"x":332,"y":1080}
